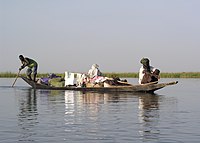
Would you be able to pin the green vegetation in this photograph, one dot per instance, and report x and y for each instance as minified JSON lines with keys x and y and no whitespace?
{"x":120,"y":75}
{"x":181,"y":75}
{"x":7,"y":75}
{"x":162,"y":75}
{"x":13,"y":75}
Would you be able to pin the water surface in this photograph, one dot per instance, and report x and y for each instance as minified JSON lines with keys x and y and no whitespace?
{"x":38,"y":116}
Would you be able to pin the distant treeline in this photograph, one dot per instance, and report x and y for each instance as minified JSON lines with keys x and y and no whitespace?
{"x":120,"y":75}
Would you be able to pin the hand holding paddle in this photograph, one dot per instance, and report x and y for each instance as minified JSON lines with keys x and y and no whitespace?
{"x":16,"y":77}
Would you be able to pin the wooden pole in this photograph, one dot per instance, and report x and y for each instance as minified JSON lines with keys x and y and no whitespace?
{"x":16,"y":78}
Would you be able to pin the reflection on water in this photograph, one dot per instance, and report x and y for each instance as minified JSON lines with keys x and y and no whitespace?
{"x":88,"y":115}
{"x":89,"y":101}
{"x":148,"y":116}
{"x":148,"y":109}
{"x":70,"y":116}
{"x":69,"y":103}
{"x":78,"y":104}
{"x":27,"y":117}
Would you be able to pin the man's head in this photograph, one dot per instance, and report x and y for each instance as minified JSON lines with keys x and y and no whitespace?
{"x":144,"y":61}
{"x":95,"y":66}
{"x":21,"y":57}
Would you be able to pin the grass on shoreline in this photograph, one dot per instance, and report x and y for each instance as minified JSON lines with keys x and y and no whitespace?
{"x":162,"y":75}
{"x":120,"y":75}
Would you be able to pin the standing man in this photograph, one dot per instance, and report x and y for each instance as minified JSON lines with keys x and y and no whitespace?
{"x":32,"y":66}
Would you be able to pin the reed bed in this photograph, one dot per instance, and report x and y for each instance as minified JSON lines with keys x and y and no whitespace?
{"x":12,"y":75}
{"x":162,"y":75}
{"x":113,"y":74}
{"x":121,"y":75}
{"x":181,"y":75}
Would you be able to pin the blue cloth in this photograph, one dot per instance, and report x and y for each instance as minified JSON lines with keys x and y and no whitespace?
{"x":45,"y":80}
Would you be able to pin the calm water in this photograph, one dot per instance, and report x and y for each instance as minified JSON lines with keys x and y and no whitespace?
{"x":170,"y":116}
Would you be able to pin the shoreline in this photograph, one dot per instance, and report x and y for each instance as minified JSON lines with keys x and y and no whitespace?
{"x":113,"y":74}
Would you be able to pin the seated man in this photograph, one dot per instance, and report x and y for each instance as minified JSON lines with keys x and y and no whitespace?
{"x":94,"y":74}
{"x":147,"y":73}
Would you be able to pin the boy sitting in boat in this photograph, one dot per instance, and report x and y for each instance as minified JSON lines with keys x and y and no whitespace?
{"x":96,"y":78}
{"x":148,"y":73}
{"x":94,"y":75}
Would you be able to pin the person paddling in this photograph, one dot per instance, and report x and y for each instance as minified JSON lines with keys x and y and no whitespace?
{"x":32,"y":66}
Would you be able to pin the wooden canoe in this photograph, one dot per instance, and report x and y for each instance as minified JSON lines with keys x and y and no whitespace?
{"x":147,"y":88}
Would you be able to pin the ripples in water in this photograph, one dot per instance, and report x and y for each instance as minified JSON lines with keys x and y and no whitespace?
{"x":28,"y":115}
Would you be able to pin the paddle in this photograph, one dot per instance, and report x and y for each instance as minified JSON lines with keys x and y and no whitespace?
{"x":16,"y":78}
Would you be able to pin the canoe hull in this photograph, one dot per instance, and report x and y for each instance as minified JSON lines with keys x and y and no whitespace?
{"x":148,"y":88}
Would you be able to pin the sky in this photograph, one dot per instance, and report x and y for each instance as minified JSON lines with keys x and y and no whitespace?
{"x":71,"y":35}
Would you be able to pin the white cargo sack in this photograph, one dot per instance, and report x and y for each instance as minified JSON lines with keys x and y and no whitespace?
{"x":69,"y":78}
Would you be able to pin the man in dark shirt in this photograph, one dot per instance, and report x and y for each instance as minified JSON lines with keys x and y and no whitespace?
{"x":31,"y":64}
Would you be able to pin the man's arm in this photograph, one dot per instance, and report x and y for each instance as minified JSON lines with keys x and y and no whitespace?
{"x":24,"y":64}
